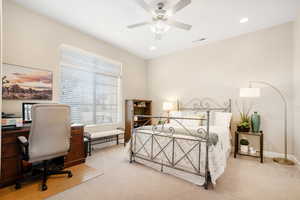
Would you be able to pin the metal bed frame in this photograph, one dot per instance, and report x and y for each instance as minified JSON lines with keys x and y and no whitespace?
{"x":205,"y":105}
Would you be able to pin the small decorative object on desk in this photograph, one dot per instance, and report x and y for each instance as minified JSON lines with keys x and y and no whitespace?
{"x":244,"y":145}
{"x":255,"y":122}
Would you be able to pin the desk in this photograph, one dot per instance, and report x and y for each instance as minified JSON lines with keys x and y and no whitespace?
{"x":10,"y":154}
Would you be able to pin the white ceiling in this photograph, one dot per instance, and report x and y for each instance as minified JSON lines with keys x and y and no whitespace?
{"x":211,"y":19}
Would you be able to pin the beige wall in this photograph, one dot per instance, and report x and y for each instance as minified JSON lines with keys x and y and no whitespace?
{"x":297,"y":86}
{"x":219,"y":69}
{"x":34,"y":40}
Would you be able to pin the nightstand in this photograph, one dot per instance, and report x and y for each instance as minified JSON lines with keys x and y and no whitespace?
{"x":259,"y":154}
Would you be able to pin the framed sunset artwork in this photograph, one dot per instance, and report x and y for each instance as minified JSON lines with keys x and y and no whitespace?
{"x":25,"y":83}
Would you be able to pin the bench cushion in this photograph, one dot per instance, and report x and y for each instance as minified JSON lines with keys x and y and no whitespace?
{"x":95,"y":135}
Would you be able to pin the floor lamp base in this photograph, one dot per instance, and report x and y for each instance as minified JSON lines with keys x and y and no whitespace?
{"x":283,"y":161}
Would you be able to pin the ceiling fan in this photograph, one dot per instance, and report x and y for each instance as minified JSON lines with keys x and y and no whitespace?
{"x":161,"y":21}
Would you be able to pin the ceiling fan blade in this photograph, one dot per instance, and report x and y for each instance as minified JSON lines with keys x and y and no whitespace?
{"x":178,"y":24}
{"x":180,"y":5}
{"x":144,"y":5}
{"x":138,"y":24}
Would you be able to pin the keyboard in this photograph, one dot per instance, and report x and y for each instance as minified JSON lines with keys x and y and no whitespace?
{"x":26,"y":125}
{"x":10,"y":128}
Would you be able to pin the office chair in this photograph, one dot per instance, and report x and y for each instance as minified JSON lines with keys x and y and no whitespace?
{"x":49,"y":138}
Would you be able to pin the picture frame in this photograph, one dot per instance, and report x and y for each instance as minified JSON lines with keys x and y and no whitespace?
{"x":26,"y":83}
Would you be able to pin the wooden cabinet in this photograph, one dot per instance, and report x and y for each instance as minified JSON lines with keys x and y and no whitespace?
{"x":76,"y":154}
{"x":136,"y":107}
{"x":10,"y":154}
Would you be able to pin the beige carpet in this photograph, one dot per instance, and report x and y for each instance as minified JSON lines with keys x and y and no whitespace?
{"x":244,"y":179}
{"x":56,"y":184}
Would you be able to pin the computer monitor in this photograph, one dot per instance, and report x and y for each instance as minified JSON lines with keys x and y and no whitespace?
{"x":26,"y":112}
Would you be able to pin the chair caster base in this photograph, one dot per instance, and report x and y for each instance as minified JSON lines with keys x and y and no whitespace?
{"x":70,"y":175}
{"x":18,"y":186}
{"x":44,"y":187}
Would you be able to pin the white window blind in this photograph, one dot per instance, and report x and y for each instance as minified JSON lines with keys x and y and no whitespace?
{"x":91,"y":86}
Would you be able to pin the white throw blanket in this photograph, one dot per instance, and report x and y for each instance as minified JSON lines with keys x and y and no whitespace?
{"x":218,"y":153}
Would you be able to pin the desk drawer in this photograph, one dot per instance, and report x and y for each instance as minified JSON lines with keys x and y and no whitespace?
{"x":76,"y":132}
{"x":76,"y":152}
{"x":8,"y":140}
{"x":11,"y":138}
{"x":10,"y":168}
{"x":10,"y":150}
{"x":77,"y":139}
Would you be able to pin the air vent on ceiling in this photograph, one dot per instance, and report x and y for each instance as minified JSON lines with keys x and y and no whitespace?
{"x":199,"y":40}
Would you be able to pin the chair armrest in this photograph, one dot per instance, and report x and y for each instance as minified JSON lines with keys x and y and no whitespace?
{"x":24,"y":144}
{"x":23,"y":140}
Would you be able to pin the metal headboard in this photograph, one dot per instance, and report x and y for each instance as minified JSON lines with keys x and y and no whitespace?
{"x":204,"y":104}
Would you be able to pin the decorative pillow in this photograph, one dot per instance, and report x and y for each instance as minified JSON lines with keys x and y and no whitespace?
{"x":223,"y":119}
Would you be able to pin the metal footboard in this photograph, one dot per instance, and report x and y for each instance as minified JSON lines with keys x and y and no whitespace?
{"x":201,"y":141}
{"x":156,"y":149}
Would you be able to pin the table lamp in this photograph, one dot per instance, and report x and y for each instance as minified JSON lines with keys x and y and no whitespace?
{"x":168,"y":106}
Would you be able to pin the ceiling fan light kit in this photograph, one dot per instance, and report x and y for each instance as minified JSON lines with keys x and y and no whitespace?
{"x":161,"y":22}
{"x":159,"y":27}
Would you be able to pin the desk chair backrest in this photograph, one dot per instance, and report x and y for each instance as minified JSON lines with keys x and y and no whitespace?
{"x":50,"y":131}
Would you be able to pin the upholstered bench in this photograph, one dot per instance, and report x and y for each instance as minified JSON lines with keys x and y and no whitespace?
{"x":100,"y":137}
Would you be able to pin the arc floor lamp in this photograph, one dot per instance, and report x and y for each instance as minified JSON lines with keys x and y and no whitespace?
{"x":255,"y":92}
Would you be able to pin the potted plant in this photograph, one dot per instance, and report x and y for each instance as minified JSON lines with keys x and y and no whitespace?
{"x":245,"y":124}
{"x":160,"y":122}
{"x":244,"y":145}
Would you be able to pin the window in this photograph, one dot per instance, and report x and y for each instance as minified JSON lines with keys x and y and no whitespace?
{"x":91,"y":86}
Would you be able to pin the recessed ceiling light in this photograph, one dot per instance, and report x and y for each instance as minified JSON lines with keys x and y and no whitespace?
{"x":244,"y":20}
{"x":152,"y":48}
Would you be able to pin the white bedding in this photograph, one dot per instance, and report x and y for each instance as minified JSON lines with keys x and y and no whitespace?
{"x":218,"y":153}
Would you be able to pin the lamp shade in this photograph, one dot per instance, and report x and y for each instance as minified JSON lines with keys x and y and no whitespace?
{"x":167,"y":106}
{"x":250,"y":92}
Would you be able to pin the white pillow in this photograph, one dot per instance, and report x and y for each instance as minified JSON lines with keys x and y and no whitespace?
{"x":175,"y":114}
{"x":191,"y":114}
{"x":223,"y":119}
{"x":185,"y":122}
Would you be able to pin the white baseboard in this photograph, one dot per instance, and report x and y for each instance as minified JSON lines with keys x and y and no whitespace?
{"x":270,"y":154}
